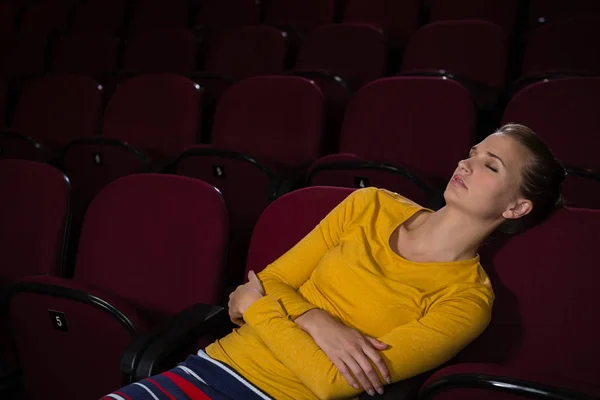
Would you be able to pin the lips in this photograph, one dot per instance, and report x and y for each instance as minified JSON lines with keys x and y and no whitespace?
{"x":458,"y":180}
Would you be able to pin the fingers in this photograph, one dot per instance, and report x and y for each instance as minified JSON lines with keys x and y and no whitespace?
{"x":379,"y":363}
{"x":359,"y":373}
{"x":253,"y":279}
{"x":376,"y":343}
{"x":345,"y":371}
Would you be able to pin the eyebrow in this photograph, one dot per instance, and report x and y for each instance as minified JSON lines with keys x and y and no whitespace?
{"x":474,"y":148}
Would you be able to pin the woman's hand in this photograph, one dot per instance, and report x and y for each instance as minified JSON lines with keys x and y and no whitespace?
{"x":243,"y":297}
{"x":349,"y":350}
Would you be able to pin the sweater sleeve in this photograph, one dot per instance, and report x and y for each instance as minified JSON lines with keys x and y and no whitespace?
{"x":282,"y":278}
{"x":414,"y":348}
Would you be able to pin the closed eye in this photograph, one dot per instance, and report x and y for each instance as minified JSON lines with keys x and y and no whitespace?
{"x":491,"y":168}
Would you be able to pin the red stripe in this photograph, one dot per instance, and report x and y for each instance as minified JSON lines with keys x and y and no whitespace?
{"x":161,"y":388}
{"x":187,"y":387}
{"x":123,"y":395}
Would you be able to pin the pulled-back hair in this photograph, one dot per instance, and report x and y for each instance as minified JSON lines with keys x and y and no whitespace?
{"x":541,"y":179}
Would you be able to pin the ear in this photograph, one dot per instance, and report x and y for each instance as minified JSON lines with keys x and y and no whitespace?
{"x":519,"y":209}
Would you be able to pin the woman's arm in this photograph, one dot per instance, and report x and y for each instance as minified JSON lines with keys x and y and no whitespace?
{"x":414,"y":348}
{"x":282,"y":278}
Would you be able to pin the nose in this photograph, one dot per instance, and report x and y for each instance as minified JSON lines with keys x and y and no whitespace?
{"x":465,"y":166}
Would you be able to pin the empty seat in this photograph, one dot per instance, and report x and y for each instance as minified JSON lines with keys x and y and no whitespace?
{"x":341,"y":58}
{"x":302,"y":210}
{"x":302,"y":15}
{"x":355,"y":52}
{"x":568,"y":127}
{"x":34,"y":208}
{"x":8,"y":18}
{"x":93,"y":163}
{"x":45,"y":18}
{"x":24,"y":56}
{"x":237,"y":53}
{"x":226,"y":13}
{"x":563,"y":47}
{"x":151,"y":246}
{"x":544,"y":326}
{"x":543,"y":11}
{"x":57,"y":108}
{"x":398,"y":19}
{"x":156,"y":113}
{"x":264,"y":128}
{"x":86,"y":53}
{"x":500,"y":12}
{"x":161,"y":51}
{"x":15,"y":145}
{"x":159,"y":14}
{"x":103,"y":16}
{"x":247,"y":51}
{"x":475,"y":51}
{"x":394,"y":121}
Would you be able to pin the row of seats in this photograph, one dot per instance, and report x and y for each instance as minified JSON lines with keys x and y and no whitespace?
{"x":476,"y":50}
{"x":267,"y":137}
{"x":170,"y":233}
{"x":398,"y":18}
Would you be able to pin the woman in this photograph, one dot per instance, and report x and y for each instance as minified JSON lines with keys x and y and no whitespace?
{"x":380,"y":291}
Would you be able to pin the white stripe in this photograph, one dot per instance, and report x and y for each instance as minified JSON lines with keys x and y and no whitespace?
{"x":202,"y":354}
{"x":192,"y":373}
{"x":147,"y":390}
{"x":115,"y":396}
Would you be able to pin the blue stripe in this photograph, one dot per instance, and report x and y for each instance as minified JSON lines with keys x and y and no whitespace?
{"x":170,"y":387}
{"x":226,"y":382}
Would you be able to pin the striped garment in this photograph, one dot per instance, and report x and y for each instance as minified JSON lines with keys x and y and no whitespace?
{"x":198,"y":378}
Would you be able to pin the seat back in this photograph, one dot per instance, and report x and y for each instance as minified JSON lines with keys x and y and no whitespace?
{"x":34,"y":210}
{"x":25,"y":55}
{"x":156,"y":113}
{"x":545,"y":281}
{"x":398,"y":19}
{"x":171,"y":50}
{"x":302,"y":210}
{"x":475,"y":50}
{"x":14,"y":145}
{"x":568,"y":127}
{"x":86,"y":53}
{"x":544,"y":11}
{"x":45,"y":17}
{"x":393,"y":120}
{"x":53,"y":322}
{"x":355,"y":52}
{"x":302,"y":15}
{"x":91,"y":164}
{"x":276,"y":119}
{"x":247,"y":51}
{"x":159,"y":14}
{"x":564,"y":46}
{"x":169,"y":232}
{"x":227,"y":13}
{"x":103,"y":16}
{"x":57,"y":108}
{"x":500,"y":12}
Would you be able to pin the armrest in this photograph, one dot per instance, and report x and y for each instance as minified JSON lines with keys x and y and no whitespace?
{"x":497,"y":378}
{"x":148,"y":351}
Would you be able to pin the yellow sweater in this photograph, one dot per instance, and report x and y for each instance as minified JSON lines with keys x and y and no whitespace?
{"x":425,"y":312}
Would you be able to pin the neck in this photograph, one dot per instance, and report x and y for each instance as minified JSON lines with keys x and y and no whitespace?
{"x":448,"y":235}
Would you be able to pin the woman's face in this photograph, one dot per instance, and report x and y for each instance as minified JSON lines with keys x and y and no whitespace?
{"x":486,"y":184}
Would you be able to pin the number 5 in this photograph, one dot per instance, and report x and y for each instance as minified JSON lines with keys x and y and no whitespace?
{"x":58,"y":321}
